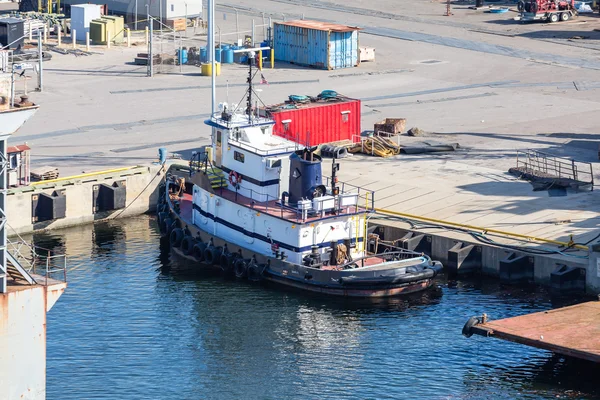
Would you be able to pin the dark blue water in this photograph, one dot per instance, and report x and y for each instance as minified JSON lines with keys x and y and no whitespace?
{"x":127,"y":329}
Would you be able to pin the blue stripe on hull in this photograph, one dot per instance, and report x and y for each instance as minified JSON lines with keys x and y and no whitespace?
{"x":264,"y":238}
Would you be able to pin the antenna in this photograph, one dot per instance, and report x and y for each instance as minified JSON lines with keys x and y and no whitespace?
{"x":250,"y":52}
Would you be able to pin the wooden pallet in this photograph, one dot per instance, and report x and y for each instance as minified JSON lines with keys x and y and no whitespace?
{"x":44,"y":173}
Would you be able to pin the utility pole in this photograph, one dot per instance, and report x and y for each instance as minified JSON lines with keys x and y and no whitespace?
{"x":40,"y":68}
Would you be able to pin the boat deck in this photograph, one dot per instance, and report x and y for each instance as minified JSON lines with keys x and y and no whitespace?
{"x":274,"y":208}
{"x":572,"y":331}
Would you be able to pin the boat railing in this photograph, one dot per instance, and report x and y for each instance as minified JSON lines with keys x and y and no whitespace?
{"x":262,"y":152}
{"x":275,"y":206}
{"x":366,"y":197}
{"x":387,"y":256}
{"x":39,"y":261}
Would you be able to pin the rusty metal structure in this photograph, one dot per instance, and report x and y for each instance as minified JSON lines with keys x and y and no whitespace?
{"x":571,"y":331}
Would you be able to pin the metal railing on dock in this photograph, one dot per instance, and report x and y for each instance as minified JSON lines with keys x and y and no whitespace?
{"x":545,"y":165}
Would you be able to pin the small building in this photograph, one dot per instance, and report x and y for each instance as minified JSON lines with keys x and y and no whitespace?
{"x":18,"y":165}
{"x":316,"y":44}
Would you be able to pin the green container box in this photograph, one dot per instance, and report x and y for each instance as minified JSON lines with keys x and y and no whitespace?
{"x":118,"y":24}
{"x":98,"y":31}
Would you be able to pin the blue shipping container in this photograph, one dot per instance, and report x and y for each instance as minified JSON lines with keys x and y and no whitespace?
{"x":316,"y":44}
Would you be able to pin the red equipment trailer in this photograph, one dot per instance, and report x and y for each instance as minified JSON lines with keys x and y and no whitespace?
{"x":546,"y":10}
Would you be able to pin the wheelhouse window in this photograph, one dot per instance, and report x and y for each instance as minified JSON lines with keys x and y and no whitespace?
{"x":237,"y":156}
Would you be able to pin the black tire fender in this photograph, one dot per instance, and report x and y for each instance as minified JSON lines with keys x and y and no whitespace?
{"x":176,"y":237}
{"x":241,"y":268}
{"x":187,"y":245}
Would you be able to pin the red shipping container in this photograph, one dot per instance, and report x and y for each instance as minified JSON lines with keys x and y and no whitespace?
{"x":316,"y":123}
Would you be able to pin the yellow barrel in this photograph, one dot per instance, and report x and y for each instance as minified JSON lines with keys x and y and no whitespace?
{"x":206,"y":69}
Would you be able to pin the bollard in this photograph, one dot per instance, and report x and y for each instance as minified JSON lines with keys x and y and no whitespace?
{"x":272,"y":58}
{"x":108,"y":38}
{"x":128,"y":32}
{"x":58,"y":36}
{"x":147,"y":36}
{"x":30,"y":32}
{"x":87,"y":41}
{"x":45,"y":34}
{"x":260,"y":59}
{"x":74,"y":37}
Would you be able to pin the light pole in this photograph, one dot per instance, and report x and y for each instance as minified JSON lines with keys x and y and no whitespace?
{"x":136,"y":16}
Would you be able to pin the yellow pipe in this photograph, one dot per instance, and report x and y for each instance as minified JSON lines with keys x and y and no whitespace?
{"x":478,"y":228}
{"x":260,"y":60}
{"x":272,"y":58}
{"x":68,"y":178}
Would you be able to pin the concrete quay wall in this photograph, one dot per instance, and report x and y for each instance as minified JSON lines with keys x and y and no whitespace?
{"x":141,"y":190}
{"x":487,"y":259}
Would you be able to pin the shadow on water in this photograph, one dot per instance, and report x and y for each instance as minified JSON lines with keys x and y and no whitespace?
{"x":541,"y":377}
{"x":105,"y":235}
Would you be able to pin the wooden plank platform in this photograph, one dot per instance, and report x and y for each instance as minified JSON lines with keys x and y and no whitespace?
{"x":572,"y":331}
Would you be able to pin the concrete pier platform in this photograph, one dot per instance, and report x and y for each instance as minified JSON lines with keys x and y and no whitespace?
{"x":571,"y":331}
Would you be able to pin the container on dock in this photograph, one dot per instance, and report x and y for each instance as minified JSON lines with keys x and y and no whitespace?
{"x":317,"y":122}
{"x":98,"y":31}
{"x":81,"y":16}
{"x":117,"y":28}
{"x":316,"y":44}
{"x":11,"y":33}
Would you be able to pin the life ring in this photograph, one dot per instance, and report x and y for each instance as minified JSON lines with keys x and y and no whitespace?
{"x":235,"y":179}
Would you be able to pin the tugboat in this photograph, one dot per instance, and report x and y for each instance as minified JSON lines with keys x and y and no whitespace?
{"x":257,"y":206}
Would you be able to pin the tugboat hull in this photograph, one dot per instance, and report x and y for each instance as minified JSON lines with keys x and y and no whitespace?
{"x":202,"y":251}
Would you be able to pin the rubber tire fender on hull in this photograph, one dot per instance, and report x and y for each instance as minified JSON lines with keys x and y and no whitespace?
{"x":176,"y":237}
{"x":241,"y":268}
{"x":212,"y":255}
{"x":187,"y":245}
{"x":255,"y":272}
{"x":227,"y":262}
{"x":198,"y":251}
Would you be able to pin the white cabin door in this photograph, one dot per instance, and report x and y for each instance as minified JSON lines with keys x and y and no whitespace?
{"x":219,"y":149}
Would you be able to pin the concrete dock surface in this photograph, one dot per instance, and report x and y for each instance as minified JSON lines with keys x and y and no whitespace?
{"x":484,"y":81}
{"x":571,"y":331}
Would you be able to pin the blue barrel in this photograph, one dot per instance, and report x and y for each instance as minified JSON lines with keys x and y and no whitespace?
{"x":228,"y":58}
{"x":225,"y":47}
{"x":218,"y":55}
{"x":203,"y":54}
{"x":182,"y":56}
{"x":162,"y":154}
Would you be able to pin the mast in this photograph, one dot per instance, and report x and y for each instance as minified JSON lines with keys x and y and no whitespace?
{"x":211,"y":45}
{"x":249,"y":98}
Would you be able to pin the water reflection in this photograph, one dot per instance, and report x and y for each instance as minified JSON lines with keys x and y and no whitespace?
{"x":127,"y":328}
